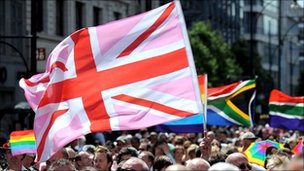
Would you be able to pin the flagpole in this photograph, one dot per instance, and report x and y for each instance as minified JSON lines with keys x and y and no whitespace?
{"x":205,"y":101}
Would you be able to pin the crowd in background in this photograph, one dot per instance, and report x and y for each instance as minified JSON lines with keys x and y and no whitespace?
{"x":219,"y":148}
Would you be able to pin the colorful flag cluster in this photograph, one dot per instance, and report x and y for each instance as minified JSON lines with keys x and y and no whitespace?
{"x":138,"y":70}
{"x":286,"y":112}
{"x":22,"y":142}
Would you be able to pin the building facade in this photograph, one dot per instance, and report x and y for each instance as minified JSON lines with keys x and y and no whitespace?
{"x":276,"y":34}
{"x":225,"y":16}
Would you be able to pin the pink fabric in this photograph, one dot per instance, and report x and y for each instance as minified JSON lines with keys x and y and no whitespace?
{"x":182,"y":88}
{"x":171,"y":33}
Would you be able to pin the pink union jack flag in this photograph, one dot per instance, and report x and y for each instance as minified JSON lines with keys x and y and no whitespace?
{"x":128,"y":74}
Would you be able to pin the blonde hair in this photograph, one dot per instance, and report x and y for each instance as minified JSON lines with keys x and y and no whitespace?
{"x":277,"y":162}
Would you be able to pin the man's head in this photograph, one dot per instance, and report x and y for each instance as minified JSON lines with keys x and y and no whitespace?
{"x":177,"y":167}
{"x":83,"y":159}
{"x":239,"y":160}
{"x":198,"y":164}
{"x":161,"y":162}
{"x":246,"y":139}
{"x":135,"y":164}
{"x":125,"y":153}
{"x":120,"y":143}
{"x":28,"y":160}
{"x":103,"y":158}
{"x":222,"y":166}
{"x":62,"y":165}
{"x":148,"y":157}
{"x":61,"y":154}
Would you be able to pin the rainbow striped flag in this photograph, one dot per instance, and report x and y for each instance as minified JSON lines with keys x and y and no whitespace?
{"x":22,"y":142}
{"x":298,"y":149}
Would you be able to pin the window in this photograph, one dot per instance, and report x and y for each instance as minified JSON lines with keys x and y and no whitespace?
{"x":39,"y":15}
{"x":2,"y":14}
{"x":270,"y":25}
{"x":97,"y":12}
{"x":79,"y":15}
{"x":59,"y":17}
{"x":17,"y":19}
{"x":117,"y":15}
{"x":148,"y":5}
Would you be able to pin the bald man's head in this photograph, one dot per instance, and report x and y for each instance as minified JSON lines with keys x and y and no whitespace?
{"x":239,"y":160}
{"x":177,"y":167}
{"x":135,"y":164}
{"x":198,"y":164}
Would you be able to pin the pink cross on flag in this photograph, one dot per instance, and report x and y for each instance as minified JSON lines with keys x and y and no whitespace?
{"x":128,"y":74}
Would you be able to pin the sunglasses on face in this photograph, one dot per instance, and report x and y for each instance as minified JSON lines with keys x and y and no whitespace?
{"x":244,"y":166}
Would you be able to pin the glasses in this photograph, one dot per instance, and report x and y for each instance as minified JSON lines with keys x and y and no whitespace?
{"x":244,"y":166}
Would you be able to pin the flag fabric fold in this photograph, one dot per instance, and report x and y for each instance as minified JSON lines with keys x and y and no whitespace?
{"x":286,"y":112}
{"x":22,"y":142}
{"x":231,"y":104}
{"x":298,"y":149}
{"x":193,"y":124}
{"x":128,"y":74}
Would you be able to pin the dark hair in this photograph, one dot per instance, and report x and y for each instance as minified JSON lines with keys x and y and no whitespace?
{"x":62,"y":162}
{"x":157,"y":143}
{"x":161,"y":162}
{"x":217,"y":157}
{"x":103,"y":149}
{"x":125,"y":151}
{"x":149,"y":154}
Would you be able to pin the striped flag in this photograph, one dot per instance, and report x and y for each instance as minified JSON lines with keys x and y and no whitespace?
{"x":298,"y":149}
{"x":22,"y":142}
{"x":286,"y":112}
{"x":227,"y":105}
{"x":231,"y":104}
{"x":128,"y":74}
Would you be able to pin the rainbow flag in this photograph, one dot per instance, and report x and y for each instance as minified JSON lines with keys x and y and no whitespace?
{"x":298,"y":149}
{"x":22,"y":142}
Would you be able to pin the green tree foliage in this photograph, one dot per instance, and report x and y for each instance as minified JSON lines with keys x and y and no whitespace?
{"x":240,"y":50}
{"x":212,"y":55}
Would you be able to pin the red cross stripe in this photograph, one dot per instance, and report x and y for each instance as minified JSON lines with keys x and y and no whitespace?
{"x":91,"y":83}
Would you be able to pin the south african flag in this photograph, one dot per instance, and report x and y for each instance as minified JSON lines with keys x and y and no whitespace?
{"x":286,"y":112}
{"x":232,"y":104}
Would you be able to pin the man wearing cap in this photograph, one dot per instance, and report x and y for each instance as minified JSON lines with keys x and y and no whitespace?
{"x":246,"y":139}
{"x":13,"y":162}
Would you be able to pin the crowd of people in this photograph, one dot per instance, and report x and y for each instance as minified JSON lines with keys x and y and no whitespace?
{"x":219,"y":148}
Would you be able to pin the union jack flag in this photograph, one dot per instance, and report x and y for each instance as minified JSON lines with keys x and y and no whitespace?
{"x":128,"y":74}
